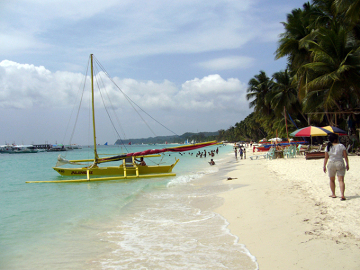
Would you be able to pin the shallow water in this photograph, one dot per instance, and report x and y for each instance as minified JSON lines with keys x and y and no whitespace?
{"x":159,"y":223}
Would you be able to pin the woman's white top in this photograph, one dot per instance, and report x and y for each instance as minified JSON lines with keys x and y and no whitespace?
{"x":336,"y":152}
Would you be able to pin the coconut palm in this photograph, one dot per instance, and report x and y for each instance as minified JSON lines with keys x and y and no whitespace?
{"x":297,"y":27}
{"x":350,"y":11}
{"x":324,"y":14}
{"x":333,"y":75}
{"x":283,"y":94}
{"x":259,"y":87}
{"x":350,"y":8}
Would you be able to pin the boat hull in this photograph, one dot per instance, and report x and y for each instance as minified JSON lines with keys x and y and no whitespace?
{"x":107,"y":178}
{"x":115,"y":170}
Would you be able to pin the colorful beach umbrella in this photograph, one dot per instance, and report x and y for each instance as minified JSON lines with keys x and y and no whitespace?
{"x":335,"y":130}
{"x":310,"y":131}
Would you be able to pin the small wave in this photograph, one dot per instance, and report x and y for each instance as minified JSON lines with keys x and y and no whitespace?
{"x":184,"y":179}
{"x":187,"y":178}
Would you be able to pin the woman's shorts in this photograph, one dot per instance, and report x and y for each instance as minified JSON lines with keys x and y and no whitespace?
{"x":336,"y":167}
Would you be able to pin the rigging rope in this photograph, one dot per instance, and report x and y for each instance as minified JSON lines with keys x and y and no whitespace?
{"x":132,"y":102}
{"x":102,"y":98}
{"x":78,"y":111}
{"x":112,"y":106}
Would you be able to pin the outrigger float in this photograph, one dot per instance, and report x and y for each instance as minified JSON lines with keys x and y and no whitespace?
{"x":129,"y":169}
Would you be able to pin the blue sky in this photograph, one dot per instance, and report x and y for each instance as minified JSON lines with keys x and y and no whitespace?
{"x":186,"y":63}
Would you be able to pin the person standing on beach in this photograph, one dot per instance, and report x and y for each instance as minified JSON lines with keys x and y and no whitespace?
{"x":235,"y":152}
{"x":335,"y":153}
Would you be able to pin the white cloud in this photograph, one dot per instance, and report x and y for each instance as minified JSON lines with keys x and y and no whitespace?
{"x":213,"y":92}
{"x":25,"y":86}
{"x":231,"y":62}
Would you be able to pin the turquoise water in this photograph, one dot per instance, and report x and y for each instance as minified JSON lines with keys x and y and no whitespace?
{"x":156,"y":223}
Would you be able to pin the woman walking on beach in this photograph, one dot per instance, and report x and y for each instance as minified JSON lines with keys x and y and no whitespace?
{"x":335,"y":153}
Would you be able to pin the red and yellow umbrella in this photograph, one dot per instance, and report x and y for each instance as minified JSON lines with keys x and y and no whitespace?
{"x":310,"y":131}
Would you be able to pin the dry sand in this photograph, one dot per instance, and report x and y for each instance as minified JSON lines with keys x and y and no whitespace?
{"x":285,"y":217}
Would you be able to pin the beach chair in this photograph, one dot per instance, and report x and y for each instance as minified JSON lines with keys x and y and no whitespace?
{"x":292,"y":151}
{"x":347,"y":148}
{"x":317,"y":150}
{"x":257,"y":156}
{"x":287,"y":152}
{"x":303,"y":151}
{"x":271,"y":154}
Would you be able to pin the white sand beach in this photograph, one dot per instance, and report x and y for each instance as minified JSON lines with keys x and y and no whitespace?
{"x":286,"y":219}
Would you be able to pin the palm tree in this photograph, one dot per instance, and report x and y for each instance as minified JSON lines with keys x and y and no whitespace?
{"x":259,"y":87}
{"x":297,"y":27}
{"x":324,"y":14}
{"x":221,"y":136}
{"x":283,"y":94}
{"x":350,"y":11}
{"x":332,"y":79}
{"x":350,"y":8}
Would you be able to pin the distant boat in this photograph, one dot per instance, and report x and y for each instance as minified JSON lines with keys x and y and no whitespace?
{"x":18,"y":149}
{"x":73,"y":146}
{"x":56,"y":148}
{"x":6,"y":148}
{"x":106,"y":143}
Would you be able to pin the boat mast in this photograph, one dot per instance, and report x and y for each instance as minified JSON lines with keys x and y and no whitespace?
{"x":93,"y":108}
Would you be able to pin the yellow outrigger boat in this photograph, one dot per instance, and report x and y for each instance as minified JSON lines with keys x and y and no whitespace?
{"x":128,"y":169}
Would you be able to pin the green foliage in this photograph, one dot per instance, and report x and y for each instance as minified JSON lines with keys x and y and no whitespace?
{"x":321,"y":42}
{"x":246,"y":130}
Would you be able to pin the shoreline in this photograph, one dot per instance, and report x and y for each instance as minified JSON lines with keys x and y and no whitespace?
{"x":284,"y":217}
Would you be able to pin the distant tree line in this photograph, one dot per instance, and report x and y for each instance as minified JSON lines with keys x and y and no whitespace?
{"x":188,"y":136}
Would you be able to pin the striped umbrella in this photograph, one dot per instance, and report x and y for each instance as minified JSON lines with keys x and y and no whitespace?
{"x":335,"y":130}
{"x":310,"y":131}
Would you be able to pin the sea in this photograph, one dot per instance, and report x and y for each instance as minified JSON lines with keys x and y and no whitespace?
{"x":152,"y":223}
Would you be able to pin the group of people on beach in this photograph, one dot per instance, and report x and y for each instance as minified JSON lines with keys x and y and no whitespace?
{"x":242,"y":151}
{"x":200,"y":154}
{"x":211,"y":153}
